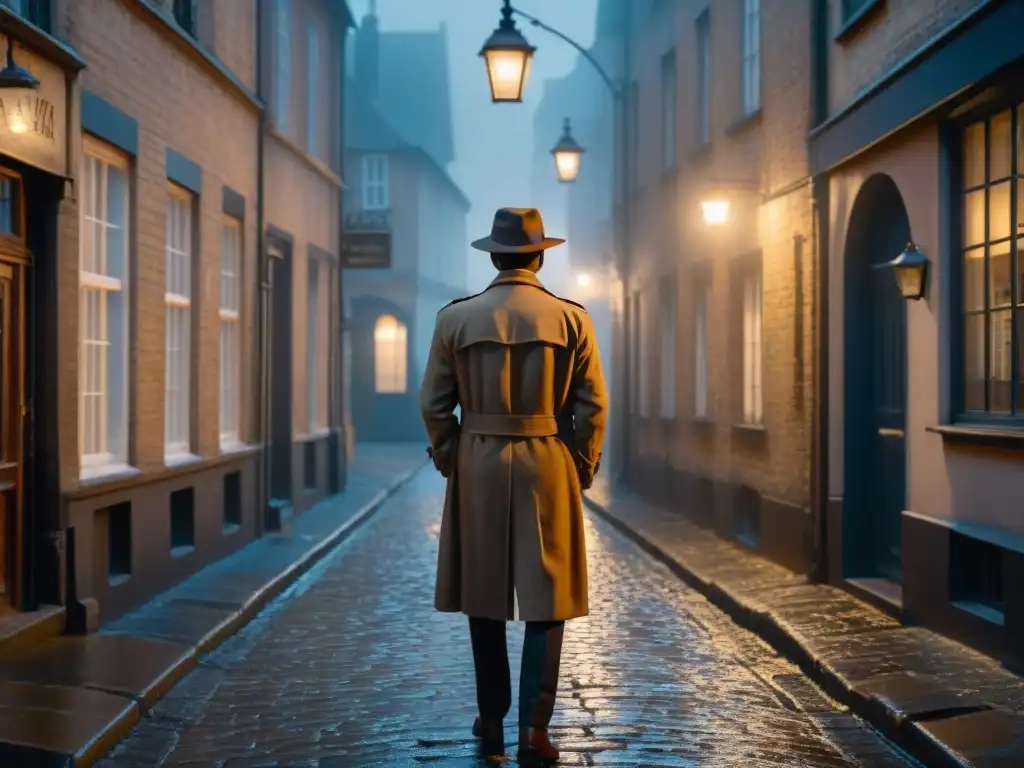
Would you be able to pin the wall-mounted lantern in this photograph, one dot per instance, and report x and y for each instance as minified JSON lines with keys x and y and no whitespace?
{"x":508,"y":57}
{"x":716,"y":202}
{"x":14,"y":76}
{"x":567,"y":155}
{"x":911,"y":271}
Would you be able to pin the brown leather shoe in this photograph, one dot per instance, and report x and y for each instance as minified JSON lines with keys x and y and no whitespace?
{"x":535,"y":748}
{"x":492,"y":736}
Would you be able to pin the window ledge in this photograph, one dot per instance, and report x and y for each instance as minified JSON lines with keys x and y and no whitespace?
{"x":183,"y":551}
{"x":750,"y":430}
{"x":702,"y":421}
{"x":102,"y":473}
{"x":179,"y":459}
{"x":230,"y":528}
{"x":316,"y":434}
{"x":858,"y":20}
{"x":117,"y":579}
{"x":747,"y":121}
{"x":995,"y":437}
{"x":231,"y":445}
{"x":980,"y":610}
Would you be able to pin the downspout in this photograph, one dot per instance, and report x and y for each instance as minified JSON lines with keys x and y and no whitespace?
{"x":819,"y":244}
{"x":262,"y":373}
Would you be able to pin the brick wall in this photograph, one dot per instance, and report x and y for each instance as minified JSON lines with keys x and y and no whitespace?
{"x":147,"y":71}
{"x":670,"y":240}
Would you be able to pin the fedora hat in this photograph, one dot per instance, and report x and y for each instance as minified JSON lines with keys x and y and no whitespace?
{"x":516,"y":230}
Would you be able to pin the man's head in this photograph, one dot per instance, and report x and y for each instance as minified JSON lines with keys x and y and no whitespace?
{"x":517,"y":240}
{"x":506,"y":261}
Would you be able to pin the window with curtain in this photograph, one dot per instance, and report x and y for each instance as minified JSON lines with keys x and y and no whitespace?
{"x":178,"y":300}
{"x":390,"y":353}
{"x":992,"y":273}
{"x":103,"y":305}
{"x":230,"y":330}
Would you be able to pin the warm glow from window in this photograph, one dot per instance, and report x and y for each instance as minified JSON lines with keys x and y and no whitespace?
{"x":715,"y":211}
{"x":390,"y":350}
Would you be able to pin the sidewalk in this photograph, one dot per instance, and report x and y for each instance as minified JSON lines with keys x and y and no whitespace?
{"x":945,"y":703}
{"x":67,"y":701}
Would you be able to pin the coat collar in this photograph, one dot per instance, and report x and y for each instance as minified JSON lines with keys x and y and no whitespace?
{"x":517,"y":277}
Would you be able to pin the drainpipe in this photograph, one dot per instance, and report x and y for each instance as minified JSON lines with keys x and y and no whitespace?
{"x":820,"y":239}
{"x":262,"y":373}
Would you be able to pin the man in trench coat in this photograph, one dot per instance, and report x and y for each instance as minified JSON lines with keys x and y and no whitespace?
{"x":523,"y":365}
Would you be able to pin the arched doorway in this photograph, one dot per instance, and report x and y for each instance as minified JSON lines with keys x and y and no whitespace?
{"x":875,"y":386}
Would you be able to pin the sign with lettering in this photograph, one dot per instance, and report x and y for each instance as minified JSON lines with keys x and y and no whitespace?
{"x":366,"y":250}
{"x":367,"y":221}
{"x":33,"y":122}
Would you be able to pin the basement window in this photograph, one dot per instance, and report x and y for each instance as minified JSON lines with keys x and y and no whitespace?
{"x":183,"y":522}
{"x":119,"y":542}
{"x":976,"y":577}
{"x":232,"y":501}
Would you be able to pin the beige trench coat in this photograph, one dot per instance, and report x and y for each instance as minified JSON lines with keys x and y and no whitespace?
{"x":523,"y":365}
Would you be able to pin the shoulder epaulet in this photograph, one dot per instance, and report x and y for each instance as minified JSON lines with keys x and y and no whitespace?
{"x":457,"y":301}
{"x":570,"y":301}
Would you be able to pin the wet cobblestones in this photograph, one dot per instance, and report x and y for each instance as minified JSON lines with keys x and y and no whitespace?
{"x":352,"y":667}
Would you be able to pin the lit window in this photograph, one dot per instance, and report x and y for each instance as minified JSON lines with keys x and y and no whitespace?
{"x":103,"y":304}
{"x":178,"y":300}
{"x":389,"y":356}
{"x":993,"y":276}
{"x":230,"y":329}
{"x":752,"y":392}
{"x":751,"y":56}
{"x":375,"y":183}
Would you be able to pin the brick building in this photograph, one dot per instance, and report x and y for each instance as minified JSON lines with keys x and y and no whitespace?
{"x":918,"y":137}
{"x":719,"y":311}
{"x":399,"y":145}
{"x":138,"y":182}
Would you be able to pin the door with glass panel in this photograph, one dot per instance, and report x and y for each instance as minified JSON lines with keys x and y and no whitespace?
{"x":12,"y":406}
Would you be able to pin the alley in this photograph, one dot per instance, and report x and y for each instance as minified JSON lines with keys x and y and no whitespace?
{"x":352,"y":667}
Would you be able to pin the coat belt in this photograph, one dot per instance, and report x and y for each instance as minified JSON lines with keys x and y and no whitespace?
{"x":509,"y":425}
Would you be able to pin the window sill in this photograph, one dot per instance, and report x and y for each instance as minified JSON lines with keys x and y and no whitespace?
{"x":747,"y":121}
{"x":979,"y":610}
{"x":858,"y":20}
{"x":702,"y":421}
{"x":750,"y":430}
{"x":233,"y":445}
{"x":180,"y":459}
{"x":230,"y":528}
{"x":183,"y":551}
{"x":117,"y":579}
{"x":102,"y":473}
{"x":993,"y":437}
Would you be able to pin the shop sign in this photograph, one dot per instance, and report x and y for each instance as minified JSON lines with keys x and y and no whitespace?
{"x":366,"y":241}
{"x":33,"y":122}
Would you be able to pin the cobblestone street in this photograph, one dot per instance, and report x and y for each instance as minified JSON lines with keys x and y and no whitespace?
{"x":352,"y":667}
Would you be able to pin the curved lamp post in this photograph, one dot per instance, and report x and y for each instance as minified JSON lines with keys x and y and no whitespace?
{"x":508,"y":57}
{"x":567,"y":155}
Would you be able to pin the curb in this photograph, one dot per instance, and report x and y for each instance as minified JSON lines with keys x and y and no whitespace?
{"x":136,"y":709}
{"x":892,"y":723}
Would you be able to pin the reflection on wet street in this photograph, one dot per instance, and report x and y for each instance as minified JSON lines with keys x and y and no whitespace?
{"x":353,"y":667}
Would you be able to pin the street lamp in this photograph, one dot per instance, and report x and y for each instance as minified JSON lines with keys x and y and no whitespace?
{"x":508,"y":57}
{"x":911,"y":271}
{"x":567,"y":155}
{"x":715,"y":211}
{"x":14,"y":76}
{"x":583,"y":280}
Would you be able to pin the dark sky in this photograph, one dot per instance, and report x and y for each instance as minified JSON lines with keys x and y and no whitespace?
{"x":494,"y":142}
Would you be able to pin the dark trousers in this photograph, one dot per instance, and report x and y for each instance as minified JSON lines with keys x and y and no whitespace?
{"x":538,"y":677}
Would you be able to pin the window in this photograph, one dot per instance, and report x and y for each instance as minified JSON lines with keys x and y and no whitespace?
{"x":644,"y":368}
{"x":317,"y":349}
{"x":282,"y":62}
{"x":185,"y":14}
{"x":668,"y":110}
{"x":37,"y":12}
{"x":375,"y":183}
{"x":103,"y":305}
{"x":230,"y":330}
{"x":752,"y":397}
{"x":667,"y":325}
{"x":634,"y":363}
{"x":389,"y":356}
{"x":313,"y":83}
{"x":700,"y":346}
{"x":178,"y":300}
{"x":634,"y":135}
{"x":993,"y":276}
{"x":704,"y":77}
{"x":852,"y":7}
{"x":751,"y":56}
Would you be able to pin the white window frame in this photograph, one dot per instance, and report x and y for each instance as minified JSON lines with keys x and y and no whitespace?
{"x":669,"y":85}
{"x":751,"y":56}
{"x":753,"y":390}
{"x":179,"y":251}
{"x":704,"y":77}
{"x":375,"y":187}
{"x":231,"y":250}
{"x":667,"y":358}
{"x":700,"y":346}
{"x":282,"y":63}
{"x":313,"y":90}
{"x":97,"y":454}
{"x":394,"y":380}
